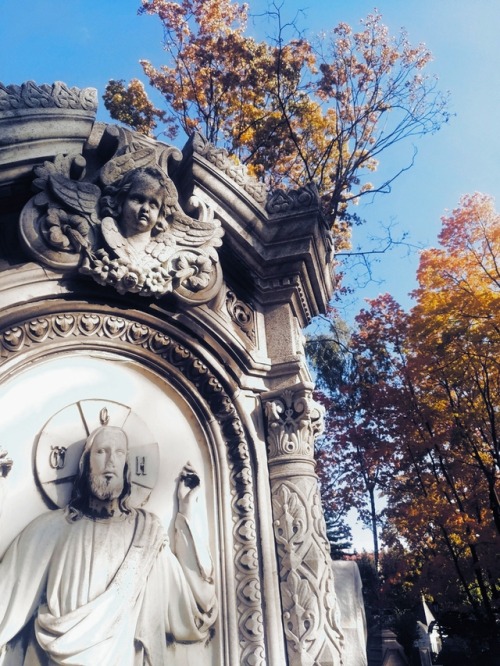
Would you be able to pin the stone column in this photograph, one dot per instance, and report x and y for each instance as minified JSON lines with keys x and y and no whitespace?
{"x":309,"y":603}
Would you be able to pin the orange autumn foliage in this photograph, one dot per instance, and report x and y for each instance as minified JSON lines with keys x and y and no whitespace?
{"x":420,"y":407}
{"x":294,"y":111}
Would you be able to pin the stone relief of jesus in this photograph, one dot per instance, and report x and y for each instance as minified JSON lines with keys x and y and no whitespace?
{"x":96,"y":583}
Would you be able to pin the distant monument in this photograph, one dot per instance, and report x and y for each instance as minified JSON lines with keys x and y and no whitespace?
{"x":170,"y":289}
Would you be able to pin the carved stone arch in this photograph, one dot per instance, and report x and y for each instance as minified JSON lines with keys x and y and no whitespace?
{"x":64,"y":327}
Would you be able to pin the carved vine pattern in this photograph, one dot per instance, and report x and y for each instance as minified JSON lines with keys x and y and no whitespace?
{"x":57,"y":95}
{"x":310,"y":611}
{"x":95,"y":325}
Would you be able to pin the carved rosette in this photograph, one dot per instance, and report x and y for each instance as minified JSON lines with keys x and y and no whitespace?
{"x":310,"y":610}
{"x":49,"y":333}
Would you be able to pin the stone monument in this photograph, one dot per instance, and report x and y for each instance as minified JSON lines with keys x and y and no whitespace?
{"x":157,"y":486}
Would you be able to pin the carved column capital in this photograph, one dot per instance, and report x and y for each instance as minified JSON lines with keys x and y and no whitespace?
{"x":293,"y":421}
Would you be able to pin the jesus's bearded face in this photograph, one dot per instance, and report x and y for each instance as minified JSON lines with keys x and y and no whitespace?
{"x":108,"y":456}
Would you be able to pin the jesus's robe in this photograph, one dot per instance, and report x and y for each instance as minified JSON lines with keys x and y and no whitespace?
{"x":107,"y":593}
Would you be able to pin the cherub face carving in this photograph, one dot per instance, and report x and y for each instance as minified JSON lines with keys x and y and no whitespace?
{"x":141,"y":207}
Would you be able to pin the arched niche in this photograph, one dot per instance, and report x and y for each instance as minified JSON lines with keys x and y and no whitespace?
{"x":77,"y":351}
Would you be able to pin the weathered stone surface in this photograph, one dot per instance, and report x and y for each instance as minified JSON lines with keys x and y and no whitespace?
{"x":39,"y":122}
{"x":311,"y":613}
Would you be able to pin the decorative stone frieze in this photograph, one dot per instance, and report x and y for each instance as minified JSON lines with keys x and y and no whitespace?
{"x":57,"y":95}
{"x":281,"y":202}
{"x":310,"y":609}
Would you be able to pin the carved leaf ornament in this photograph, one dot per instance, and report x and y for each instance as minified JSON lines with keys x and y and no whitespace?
{"x":123,"y":225}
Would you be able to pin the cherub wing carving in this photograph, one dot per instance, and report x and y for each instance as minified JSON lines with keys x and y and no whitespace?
{"x":80,"y":197}
{"x":77,"y":221}
{"x":204,"y":232}
{"x":113,"y":170}
{"x":112,"y":235}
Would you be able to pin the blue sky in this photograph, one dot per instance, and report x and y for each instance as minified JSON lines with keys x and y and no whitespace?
{"x":87,"y":42}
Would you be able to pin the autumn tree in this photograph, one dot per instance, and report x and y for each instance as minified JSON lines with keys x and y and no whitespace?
{"x":293,"y":110}
{"x":350,"y":451}
{"x":425,"y":413}
{"x":454,"y":339}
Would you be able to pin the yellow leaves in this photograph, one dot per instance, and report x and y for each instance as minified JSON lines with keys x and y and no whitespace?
{"x":290,"y":114}
{"x":131,"y":105}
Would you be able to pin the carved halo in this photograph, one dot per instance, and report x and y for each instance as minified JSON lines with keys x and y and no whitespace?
{"x":60,"y":444}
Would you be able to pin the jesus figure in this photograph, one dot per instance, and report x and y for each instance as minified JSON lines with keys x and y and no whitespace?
{"x":96,"y":583}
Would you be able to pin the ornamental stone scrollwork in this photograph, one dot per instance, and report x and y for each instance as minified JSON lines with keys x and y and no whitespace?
{"x":280,"y":202}
{"x":58,"y":95}
{"x":139,"y":338}
{"x":122,"y":224}
{"x":242,"y":315}
{"x":310,"y":608}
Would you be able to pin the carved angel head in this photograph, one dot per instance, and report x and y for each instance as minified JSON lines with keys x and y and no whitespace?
{"x":138,"y":202}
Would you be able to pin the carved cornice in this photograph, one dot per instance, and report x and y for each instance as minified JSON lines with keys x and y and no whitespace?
{"x":287,"y":288}
{"x":46,"y":96}
{"x":238,"y":173}
{"x":294,"y":420}
{"x":94,"y":329}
